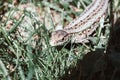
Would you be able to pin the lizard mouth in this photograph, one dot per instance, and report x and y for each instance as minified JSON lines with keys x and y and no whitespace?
{"x":52,"y":43}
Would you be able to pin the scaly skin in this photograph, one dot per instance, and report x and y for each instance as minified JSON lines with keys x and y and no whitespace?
{"x":80,"y":28}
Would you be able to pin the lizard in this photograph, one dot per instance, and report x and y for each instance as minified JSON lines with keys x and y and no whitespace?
{"x":81,"y":27}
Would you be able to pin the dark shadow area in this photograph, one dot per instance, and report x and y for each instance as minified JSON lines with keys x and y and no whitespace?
{"x":84,"y":67}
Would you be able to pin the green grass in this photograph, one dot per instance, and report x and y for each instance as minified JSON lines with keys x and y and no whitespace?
{"x":22,"y":57}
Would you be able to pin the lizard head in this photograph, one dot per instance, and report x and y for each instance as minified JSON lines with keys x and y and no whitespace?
{"x":59,"y":37}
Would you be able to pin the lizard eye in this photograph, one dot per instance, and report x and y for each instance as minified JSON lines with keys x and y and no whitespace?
{"x":63,"y":39}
